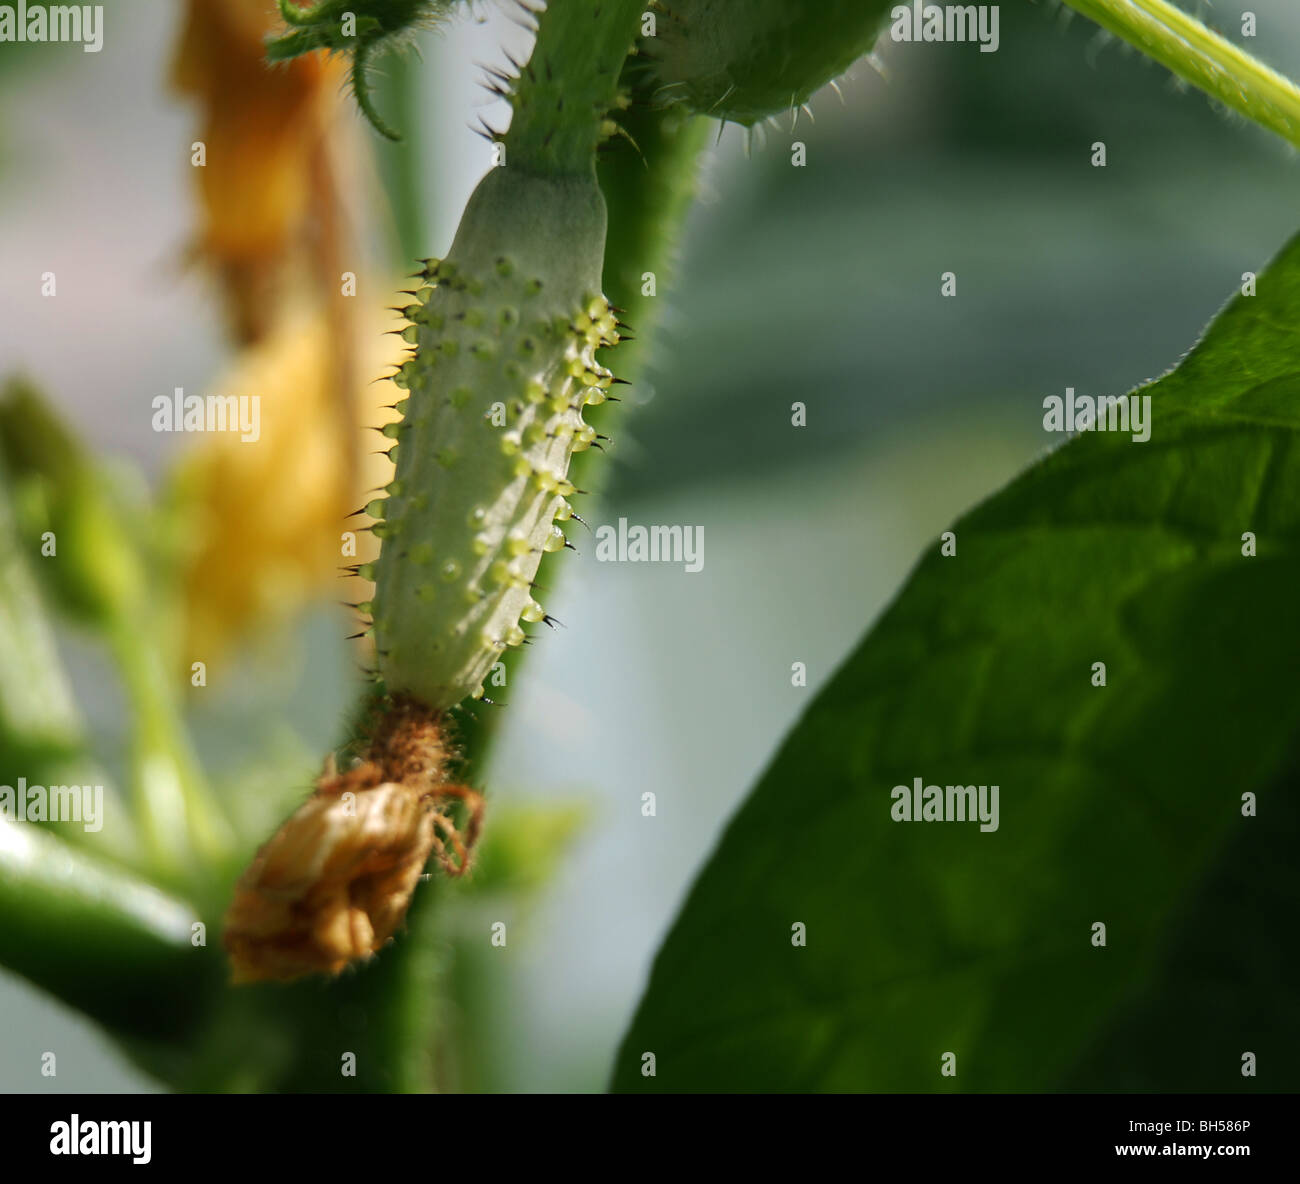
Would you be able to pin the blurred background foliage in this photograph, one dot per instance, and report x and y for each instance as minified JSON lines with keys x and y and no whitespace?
{"x":818,"y":284}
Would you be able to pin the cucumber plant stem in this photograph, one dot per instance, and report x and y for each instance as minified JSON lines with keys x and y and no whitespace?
{"x":1198,"y":54}
{"x":569,"y":84}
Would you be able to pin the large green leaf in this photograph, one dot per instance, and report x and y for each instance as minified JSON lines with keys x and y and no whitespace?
{"x":1119,"y":804}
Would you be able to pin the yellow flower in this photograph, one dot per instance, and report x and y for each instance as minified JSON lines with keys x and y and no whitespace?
{"x":265,"y":520}
{"x":265,"y":185}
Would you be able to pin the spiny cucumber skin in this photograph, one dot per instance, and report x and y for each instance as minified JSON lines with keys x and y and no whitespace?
{"x":743,"y":60}
{"x":514,"y":318}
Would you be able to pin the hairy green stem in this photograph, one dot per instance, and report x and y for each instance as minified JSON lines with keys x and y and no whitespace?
{"x":569,"y":84}
{"x":1201,"y":56}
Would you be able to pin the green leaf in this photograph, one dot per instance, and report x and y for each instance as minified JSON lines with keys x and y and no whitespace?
{"x":95,"y":570}
{"x":1120,"y":804}
{"x":525,"y":848}
{"x":42,"y":736}
{"x":97,"y":937}
{"x":97,"y":577}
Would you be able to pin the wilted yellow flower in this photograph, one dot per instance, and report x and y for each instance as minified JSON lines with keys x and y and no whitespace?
{"x":264,"y":521}
{"x":335,"y":880}
{"x":265,"y":185}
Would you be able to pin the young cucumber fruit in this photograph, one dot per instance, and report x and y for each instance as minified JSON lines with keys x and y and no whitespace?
{"x":505,"y":336}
